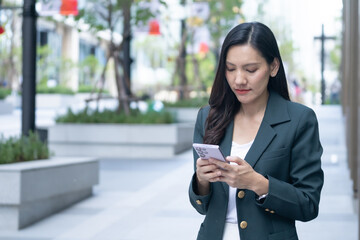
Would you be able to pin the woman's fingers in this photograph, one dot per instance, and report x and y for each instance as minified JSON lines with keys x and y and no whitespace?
{"x":213,"y":176}
{"x":220,"y":164}
{"x":207,"y":171}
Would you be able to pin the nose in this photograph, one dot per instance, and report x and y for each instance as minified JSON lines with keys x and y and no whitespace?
{"x":240,"y":78}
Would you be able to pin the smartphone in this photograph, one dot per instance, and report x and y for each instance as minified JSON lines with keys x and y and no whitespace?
{"x":206,"y":151}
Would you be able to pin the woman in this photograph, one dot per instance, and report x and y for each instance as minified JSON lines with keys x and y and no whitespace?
{"x":274,"y":176}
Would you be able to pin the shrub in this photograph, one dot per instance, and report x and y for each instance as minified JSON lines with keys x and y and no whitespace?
{"x":4,"y":92}
{"x":54,"y":90}
{"x":89,"y":89}
{"x":21,"y":149}
{"x":110,"y":116}
{"x":192,"y":102}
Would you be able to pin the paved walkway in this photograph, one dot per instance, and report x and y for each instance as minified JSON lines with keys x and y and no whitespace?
{"x":147,"y":199}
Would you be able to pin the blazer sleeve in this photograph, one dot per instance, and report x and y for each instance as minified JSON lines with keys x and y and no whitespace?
{"x":299,"y":198}
{"x":200,"y":203}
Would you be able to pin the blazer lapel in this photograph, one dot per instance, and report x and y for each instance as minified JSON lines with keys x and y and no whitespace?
{"x":276,"y":113}
{"x":262,"y":140}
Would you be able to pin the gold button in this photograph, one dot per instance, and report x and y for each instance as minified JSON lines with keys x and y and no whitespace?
{"x":267,"y":209}
{"x":243,"y":224}
{"x":272,"y":211}
{"x":198,"y":202}
{"x":241,"y":194}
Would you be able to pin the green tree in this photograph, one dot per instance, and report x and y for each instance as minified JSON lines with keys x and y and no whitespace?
{"x":286,"y":44}
{"x":44,"y":65}
{"x":10,"y":47}
{"x":48,"y":68}
{"x":335,"y":53}
{"x":108,"y":15}
{"x":223,"y":15}
{"x":90,"y":68}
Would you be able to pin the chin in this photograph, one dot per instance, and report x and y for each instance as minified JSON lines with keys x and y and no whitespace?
{"x":244,"y":100}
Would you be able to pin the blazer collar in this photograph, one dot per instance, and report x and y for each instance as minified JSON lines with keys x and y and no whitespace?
{"x":276,"y":110}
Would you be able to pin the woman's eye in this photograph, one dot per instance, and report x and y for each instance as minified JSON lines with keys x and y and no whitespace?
{"x":230,"y":69}
{"x":251,"y":70}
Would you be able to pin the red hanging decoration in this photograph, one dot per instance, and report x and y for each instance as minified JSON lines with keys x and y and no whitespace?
{"x":154,"y":27}
{"x":204,"y":48}
{"x":2,"y":30}
{"x":69,"y":7}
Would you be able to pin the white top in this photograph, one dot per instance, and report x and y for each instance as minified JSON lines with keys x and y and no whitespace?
{"x":239,"y":150}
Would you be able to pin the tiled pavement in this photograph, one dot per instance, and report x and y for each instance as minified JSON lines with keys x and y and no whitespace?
{"x":147,"y":199}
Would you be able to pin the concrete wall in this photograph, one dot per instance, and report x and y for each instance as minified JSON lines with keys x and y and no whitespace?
{"x":31,"y":191}
{"x":183,"y":115}
{"x":120,"y":140}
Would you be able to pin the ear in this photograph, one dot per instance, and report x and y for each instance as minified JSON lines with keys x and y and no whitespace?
{"x":274,"y":67}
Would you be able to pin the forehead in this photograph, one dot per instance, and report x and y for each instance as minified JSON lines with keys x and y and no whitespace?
{"x":244,"y":54}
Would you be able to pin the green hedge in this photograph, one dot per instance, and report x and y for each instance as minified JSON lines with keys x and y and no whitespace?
{"x":4,"y":92}
{"x":54,"y":90}
{"x":192,"y":102}
{"x":89,"y":89}
{"x":109,"y":116}
{"x":21,"y":149}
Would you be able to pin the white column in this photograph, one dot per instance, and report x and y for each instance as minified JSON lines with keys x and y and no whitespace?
{"x":70,"y":51}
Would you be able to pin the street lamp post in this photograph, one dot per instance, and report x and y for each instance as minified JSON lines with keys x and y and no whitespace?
{"x":28,"y":66}
{"x":323,"y":38}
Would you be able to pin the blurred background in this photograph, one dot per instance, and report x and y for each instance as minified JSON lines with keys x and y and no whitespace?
{"x":151,"y":63}
{"x":165,"y":50}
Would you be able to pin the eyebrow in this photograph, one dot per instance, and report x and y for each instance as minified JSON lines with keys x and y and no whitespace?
{"x":246,"y":65}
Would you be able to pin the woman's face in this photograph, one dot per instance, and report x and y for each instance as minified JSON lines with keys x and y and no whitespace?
{"x":248,"y":73}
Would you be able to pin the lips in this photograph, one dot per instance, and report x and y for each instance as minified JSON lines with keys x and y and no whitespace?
{"x":242,"y":91}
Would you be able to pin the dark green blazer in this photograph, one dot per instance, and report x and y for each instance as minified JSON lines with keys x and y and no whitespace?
{"x":287,"y":151}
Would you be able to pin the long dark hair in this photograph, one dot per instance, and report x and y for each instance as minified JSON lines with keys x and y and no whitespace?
{"x":223,"y":102}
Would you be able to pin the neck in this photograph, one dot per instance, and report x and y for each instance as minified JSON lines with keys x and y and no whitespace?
{"x":254,"y":109}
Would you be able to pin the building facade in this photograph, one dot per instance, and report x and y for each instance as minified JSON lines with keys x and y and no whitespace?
{"x":350,"y":74}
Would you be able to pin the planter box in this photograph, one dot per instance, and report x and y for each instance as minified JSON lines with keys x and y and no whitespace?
{"x":120,"y":140}
{"x":185,"y":114}
{"x":5,"y":107}
{"x":31,"y":191}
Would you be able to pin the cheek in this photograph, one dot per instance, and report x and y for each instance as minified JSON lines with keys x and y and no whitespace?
{"x":261,"y":78}
{"x":228,"y":78}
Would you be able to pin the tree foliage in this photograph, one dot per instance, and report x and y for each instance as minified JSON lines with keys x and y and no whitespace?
{"x":10,"y":47}
{"x":223,"y":15}
{"x":117,"y":17}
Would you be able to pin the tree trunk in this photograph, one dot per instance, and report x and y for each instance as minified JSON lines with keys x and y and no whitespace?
{"x":126,"y":56}
{"x":196,"y":70}
{"x":181,"y":62}
{"x":123,"y":97}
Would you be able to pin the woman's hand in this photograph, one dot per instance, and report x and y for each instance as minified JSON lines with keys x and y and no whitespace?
{"x":206,"y":172}
{"x":240,"y":175}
